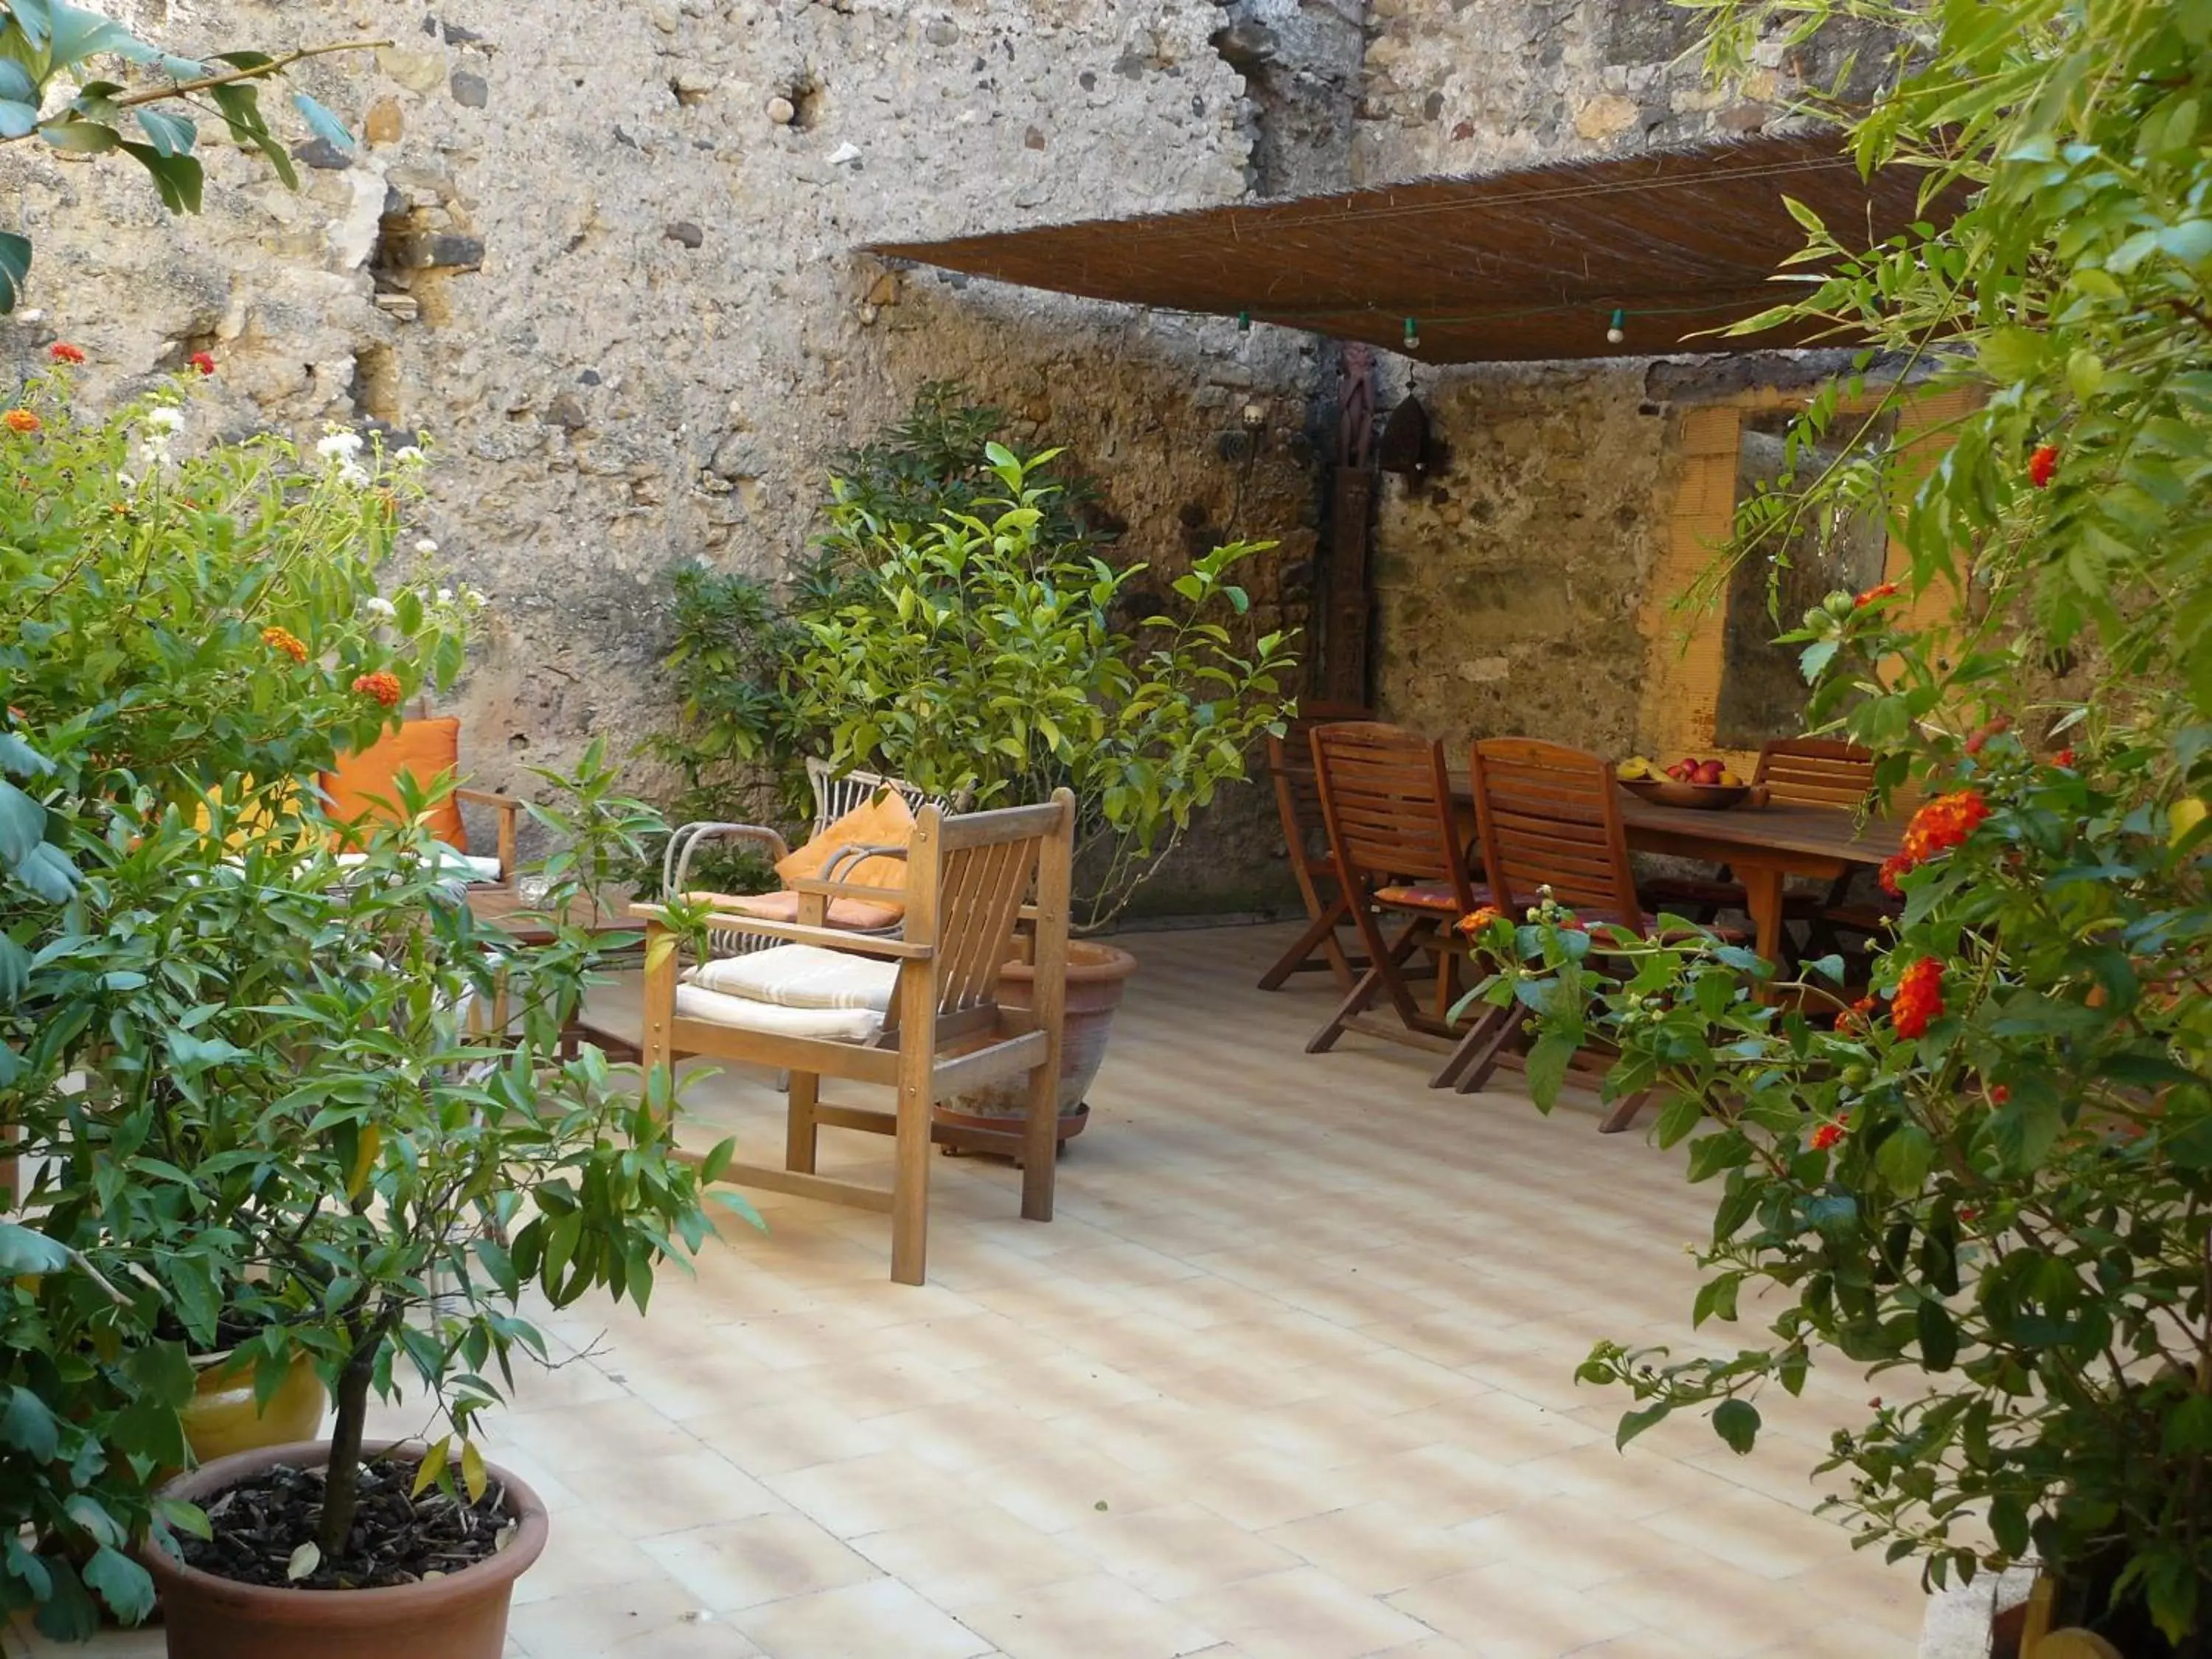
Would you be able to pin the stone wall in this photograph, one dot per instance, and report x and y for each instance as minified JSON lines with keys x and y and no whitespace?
{"x":602,"y":257}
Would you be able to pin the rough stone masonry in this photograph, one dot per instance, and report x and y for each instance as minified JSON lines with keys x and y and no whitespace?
{"x":601,"y":256}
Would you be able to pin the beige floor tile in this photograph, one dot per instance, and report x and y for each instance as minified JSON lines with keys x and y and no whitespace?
{"x":1749,"y":1618}
{"x":1377,"y":1548}
{"x":671,"y":1493}
{"x":1847,"y":1639}
{"x":1052,"y":1493}
{"x":733,"y":1565}
{"x":1258,"y":1490}
{"x":1753,"y":1534}
{"x":568,"y":1438}
{"x":583,"y":1553}
{"x":1094,"y":1617}
{"x":1176,"y":1551}
{"x":1507,"y":1611}
{"x":881,"y":1617}
{"x":655,"y":1620}
{"x":979,"y":1555}
{"x":875,"y":1492}
{"x":1302,"y":1613}
{"x":791,"y":1433}
{"x":1446,"y":1485}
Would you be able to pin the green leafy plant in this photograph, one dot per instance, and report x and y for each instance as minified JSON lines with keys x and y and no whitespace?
{"x":46,"y":42}
{"x":247,"y":1065}
{"x":1992,"y":1176}
{"x":978,"y":655}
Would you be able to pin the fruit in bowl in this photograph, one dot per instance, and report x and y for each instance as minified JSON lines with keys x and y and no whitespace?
{"x":1689,"y":781}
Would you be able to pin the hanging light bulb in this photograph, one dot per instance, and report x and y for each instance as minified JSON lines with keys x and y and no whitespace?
{"x":1614,"y":334}
{"x":1243,"y":322}
{"x":1412,"y":335}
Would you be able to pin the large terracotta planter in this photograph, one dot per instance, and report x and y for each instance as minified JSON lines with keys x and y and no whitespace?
{"x":1097,"y":975}
{"x":223,"y":1420}
{"x":463,"y":1616}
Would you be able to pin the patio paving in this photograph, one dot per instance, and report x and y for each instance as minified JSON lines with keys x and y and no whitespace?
{"x":1291,"y":1376}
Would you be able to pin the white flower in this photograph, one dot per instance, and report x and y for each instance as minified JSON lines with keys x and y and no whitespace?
{"x":163,"y":419}
{"x":129,"y":485}
{"x":377,"y":606}
{"x":426,"y":546}
{"x":339,"y":445}
{"x":406,"y":455}
{"x":444,"y":596}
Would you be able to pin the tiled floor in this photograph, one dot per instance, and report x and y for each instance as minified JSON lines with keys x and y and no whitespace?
{"x":1290,"y":1376}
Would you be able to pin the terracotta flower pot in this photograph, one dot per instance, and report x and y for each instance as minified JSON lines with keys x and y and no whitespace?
{"x":463,"y":1616}
{"x":221,"y":1419}
{"x":1097,"y":975}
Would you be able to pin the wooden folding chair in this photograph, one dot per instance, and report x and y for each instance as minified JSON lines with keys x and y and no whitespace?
{"x":1548,"y":817}
{"x":1387,"y":803}
{"x":920,"y":1013}
{"x":1297,"y":798}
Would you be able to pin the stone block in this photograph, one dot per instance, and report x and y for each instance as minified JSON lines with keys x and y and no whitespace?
{"x":469,"y":91}
{"x":383,"y":125}
{"x":417,"y":71}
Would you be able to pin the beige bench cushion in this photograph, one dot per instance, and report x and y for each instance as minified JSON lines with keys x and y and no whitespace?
{"x":804,"y":977}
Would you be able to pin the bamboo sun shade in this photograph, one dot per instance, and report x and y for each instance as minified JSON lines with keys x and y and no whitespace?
{"x":1512,"y":266}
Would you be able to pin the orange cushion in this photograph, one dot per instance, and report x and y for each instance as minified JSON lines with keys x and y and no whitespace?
{"x":857,"y":915}
{"x":1426,"y":895}
{"x":366,"y":784}
{"x":886,"y":821}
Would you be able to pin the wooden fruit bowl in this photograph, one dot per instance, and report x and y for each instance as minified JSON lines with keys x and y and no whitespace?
{"x":1704,"y":797}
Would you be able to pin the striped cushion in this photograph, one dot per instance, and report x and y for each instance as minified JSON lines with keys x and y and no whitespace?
{"x":800,"y":976}
{"x":1426,"y":895}
{"x":854,"y":916}
{"x":827,"y":1025}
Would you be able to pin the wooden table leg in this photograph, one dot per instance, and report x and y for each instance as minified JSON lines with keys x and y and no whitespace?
{"x":1762,"y":889}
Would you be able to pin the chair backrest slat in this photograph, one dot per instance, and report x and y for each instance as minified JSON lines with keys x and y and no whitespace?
{"x":1386,"y":800}
{"x":971,"y":875}
{"x":1816,"y":772}
{"x":1550,"y":817}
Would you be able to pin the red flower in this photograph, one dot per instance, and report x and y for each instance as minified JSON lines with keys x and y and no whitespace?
{"x":1919,"y":997}
{"x":62,"y":352}
{"x":2042,"y":466}
{"x":1827,"y":1135}
{"x":1478,"y":921}
{"x":1856,"y":1017}
{"x":20,"y":420}
{"x":201,"y":362}
{"x":1999,"y":1095}
{"x":382,"y":685}
{"x":1941,"y":824}
{"x":1874,"y":596}
{"x":2064,"y":758}
{"x":282,"y":639}
{"x":1891,"y":867}
{"x":2001,"y":723}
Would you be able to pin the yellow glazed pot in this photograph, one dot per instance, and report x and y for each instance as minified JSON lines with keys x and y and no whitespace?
{"x":221,"y":1419}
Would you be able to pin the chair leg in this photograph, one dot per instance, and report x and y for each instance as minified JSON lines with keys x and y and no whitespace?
{"x":911,"y":1157}
{"x":1623,"y":1112}
{"x":1320,"y":935}
{"x":1041,"y":1143}
{"x":801,"y":1131}
{"x":1362,"y":994}
{"x":1480,"y":1036}
{"x":1482,"y":1065}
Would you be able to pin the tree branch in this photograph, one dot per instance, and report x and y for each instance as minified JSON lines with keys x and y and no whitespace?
{"x":256,"y":72}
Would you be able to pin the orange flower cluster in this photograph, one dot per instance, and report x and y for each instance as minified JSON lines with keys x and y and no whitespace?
{"x":2065,"y":759}
{"x":62,"y":352}
{"x":2043,"y":465}
{"x":1874,"y":596}
{"x":1919,"y":997}
{"x":20,"y":420}
{"x":1941,"y":824}
{"x":1826,"y":1136}
{"x":1859,"y":1016}
{"x":1475,"y":921}
{"x":382,"y":685}
{"x":282,"y":639}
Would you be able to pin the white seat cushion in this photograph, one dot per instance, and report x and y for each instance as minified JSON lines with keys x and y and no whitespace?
{"x":827,"y":1025}
{"x":804,"y":977}
{"x":446,"y":860}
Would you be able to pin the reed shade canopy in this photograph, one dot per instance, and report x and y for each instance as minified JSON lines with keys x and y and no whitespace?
{"x":1514,"y":266}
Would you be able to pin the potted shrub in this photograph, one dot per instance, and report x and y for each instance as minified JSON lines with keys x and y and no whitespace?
{"x":1988,"y":1175}
{"x":973,"y":652}
{"x":243,"y":1069}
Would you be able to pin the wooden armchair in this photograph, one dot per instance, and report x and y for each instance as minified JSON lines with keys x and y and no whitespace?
{"x":920,"y":1014}
{"x":361,"y":789}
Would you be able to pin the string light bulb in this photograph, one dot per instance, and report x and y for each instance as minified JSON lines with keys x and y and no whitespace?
{"x":1412,"y":334}
{"x":1614,"y":333}
{"x":1243,"y":322}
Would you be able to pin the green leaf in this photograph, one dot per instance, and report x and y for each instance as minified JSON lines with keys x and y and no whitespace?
{"x":79,"y":137}
{"x":1939,"y":1335}
{"x":1634,"y":1423}
{"x":1736,"y":1422}
{"x":22,"y":824}
{"x":125,"y":1586}
{"x":179,"y":179}
{"x":26,"y":1423}
{"x":76,"y":33}
{"x":23,"y":1251}
{"x":15,"y":267}
{"x":321,"y":122}
{"x":16,"y":117}
{"x":171,"y":134}
{"x":1546,"y":1067}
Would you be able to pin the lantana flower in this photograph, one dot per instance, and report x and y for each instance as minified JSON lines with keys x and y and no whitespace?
{"x":1875,"y":595}
{"x":20,"y":420}
{"x":2043,"y":465}
{"x":1941,"y":824}
{"x":1477,"y":921}
{"x":383,"y":685}
{"x":1919,"y":997}
{"x":62,"y":352}
{"x":1827,"y":1135}
{"x":201,"y":362}
{"x":282,"y":639}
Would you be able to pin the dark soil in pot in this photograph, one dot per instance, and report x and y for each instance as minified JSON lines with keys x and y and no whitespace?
{"x":441,"y":1572}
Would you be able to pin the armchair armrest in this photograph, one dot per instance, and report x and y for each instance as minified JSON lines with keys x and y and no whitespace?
{"x":655,"y":916}
{"x":676,"y":862}
{"x":508,"y":809}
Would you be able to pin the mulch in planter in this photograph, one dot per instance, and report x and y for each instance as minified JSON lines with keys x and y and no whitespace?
{"x":397,"y":1540}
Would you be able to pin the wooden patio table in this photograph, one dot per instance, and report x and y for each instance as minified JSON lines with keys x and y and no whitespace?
{"x":1763,"y":845}
{"x":504,"y":907}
